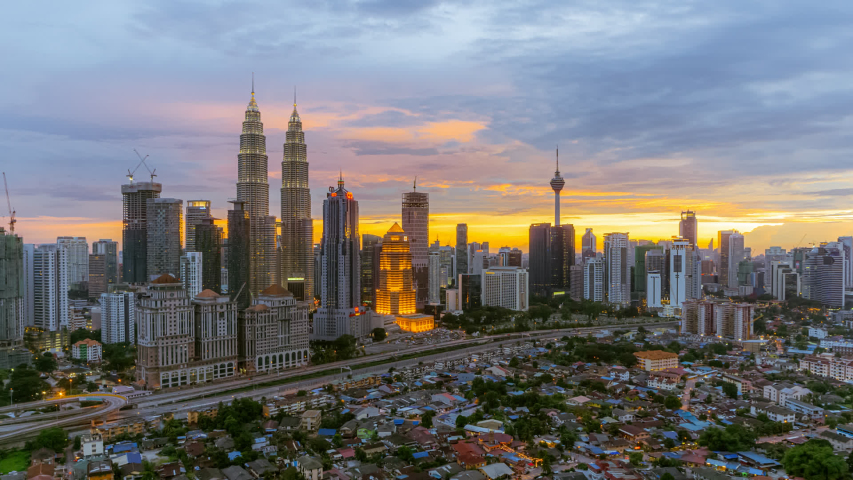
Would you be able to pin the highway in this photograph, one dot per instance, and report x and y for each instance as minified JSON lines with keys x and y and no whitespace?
{"x":206,"y":395}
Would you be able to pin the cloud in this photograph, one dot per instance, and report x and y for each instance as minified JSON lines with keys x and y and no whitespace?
{"x":379,"y":148}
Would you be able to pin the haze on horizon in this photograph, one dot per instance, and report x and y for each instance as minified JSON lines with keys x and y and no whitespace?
{"x":738,"y":111}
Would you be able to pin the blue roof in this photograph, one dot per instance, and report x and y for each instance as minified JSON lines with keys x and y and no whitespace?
{"x":123,"y":447}
{"x":134,"y":457}
{"x":233,"y":455}
{"x":327,"y":432}
{"x":417,"y":455}
{"x":399,"y":421}
{"x":671,"y":435}
{"x":596,"y":450}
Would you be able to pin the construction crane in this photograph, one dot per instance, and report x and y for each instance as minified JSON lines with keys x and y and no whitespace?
{"x":801,"y":240}
{"x":9,"y":203}
{"x":141,"y":162}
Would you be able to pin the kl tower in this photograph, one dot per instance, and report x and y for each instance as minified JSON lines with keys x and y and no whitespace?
{"x":557,"y":184}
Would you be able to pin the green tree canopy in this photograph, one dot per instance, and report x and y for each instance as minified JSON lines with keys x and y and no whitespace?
{"x":731,"y":438}
{"x":814,"y":460}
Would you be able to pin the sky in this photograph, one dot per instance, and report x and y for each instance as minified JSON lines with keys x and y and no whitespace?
{"x":738,"y":110}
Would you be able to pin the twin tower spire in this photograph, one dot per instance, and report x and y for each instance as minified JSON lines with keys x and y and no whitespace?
{"x":288,"y":262}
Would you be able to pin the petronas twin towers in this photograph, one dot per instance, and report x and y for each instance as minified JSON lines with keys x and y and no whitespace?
{"x":293,"y":266}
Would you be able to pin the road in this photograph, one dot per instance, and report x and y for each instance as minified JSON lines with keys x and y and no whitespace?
{"x":203,"y":396}
{"x":793,"y":434}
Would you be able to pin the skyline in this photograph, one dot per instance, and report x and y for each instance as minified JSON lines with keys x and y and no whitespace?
{"x":657,"y":110}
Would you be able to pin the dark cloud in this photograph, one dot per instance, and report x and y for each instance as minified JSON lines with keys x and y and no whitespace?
{"x":835,"y":192}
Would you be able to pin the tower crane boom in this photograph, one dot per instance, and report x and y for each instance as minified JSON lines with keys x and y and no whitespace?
{"x":9,"y":204}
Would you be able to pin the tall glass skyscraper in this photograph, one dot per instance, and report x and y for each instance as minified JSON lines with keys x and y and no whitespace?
{"x":416,"y":226}
{"x":254,"y":191}
{"x":297,"y":256}
{"x":134,"y":235}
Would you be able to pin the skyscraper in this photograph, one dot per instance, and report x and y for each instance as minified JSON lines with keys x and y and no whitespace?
{"x":78,"y":260}
{"x":118,"y":317}
{"x":557,"y":184}
{"x":208,"y":242}
{"x":640,"y":266}
{"x":679,"y":269}
{"x":688,"y":227}
{"x":191,"y":273}
{"x":435,"y":277}
{"x":736,"y":254}
{"x":109,"y":250}
{"x":46,"y":275}
{"x":416,"y":226}
{"x":97,"y":275}
{"x":723,"y":264}
{"x":197,"y":211}
{"x":12,"y":352}
{"x":340,"y":285}
{"x":593,"y":285}
{"x":461,"y":250}
{"x":562,"y":256}
{"x":297,"y":229}
{"x":254,"y":191}
{"x":165,"y":230}
{"x":369,"y":257}
{"x":239,"y":253}
{"x":134,"y":235}
{"x":395,"y":292}
{"x":540,"y":258}
{"x":616,"y":272}
{"x":588,"y":246}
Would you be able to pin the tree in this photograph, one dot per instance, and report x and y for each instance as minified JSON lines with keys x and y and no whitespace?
{"x":426,"y":419}
{"x":672,"y":402}
{"x":27,"y":385}
{"x":636,"y":458}
{"x":46,"y":363}
{"x":379,"y":334}
{"x":405,"y":454}
{"x":53,"y":438}
{"x":732,"y":438}
{"x":667,"y":476}
{"x":814,"y":460}
{"x":730,"y":389}
{"x":513,"y":363}
{"x":461,"y":421}
{"x":669,"y":443}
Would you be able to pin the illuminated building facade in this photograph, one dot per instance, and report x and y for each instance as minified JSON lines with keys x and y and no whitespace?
{"x":340,"y":263}
{"x":165,"y":231}
{"x":415,"y":323}
{"x":688,"y":227}
{"x":395,"y":294}
{"x":197,"y":211}
{"x":254,"y":191}
{"x":297,"y":230}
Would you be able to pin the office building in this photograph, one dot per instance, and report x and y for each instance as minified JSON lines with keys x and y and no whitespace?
{"x":588,"y":245}
{"x":557,"y":184}
{"x":12,"y":281}
{"x":511,"y":257}
{"x":461,"y":250}
{"x":118,"y":317}
{"x":371,"y":247}
{"x":297,"y":228}
{"x":470,"y":290}
{"x":736,"y":255}
{"x":723,"y":261}
{"x":254,"y":191}
{"x":239,"y":254}
{"x":191,"y":273}
{"x":165,"y":344}
{"x":97,"y":275}
{"x":448,"y":264}
{"x":653,"y":290}
{"x":617,"y":283}
{"x":395,"y":294}
{"x":688,"y":227}
{"x":46,"y":286}
{"x":165,"y":231}
{"x":680,"y":267}
{"x":208,"y":242}
{"x":416,"y":226}
{"x":78,"y":261}
{"x":197,"y":212}
{"x":576,"y":282}
{"x":214,"y":337}
{"x":540,"y":258}
{"x":593,"y":285}
{"x":107,"y":250}
{"x":847,"y":247}
{"x":340,"y":252}
{"x":562,"y":257}
{"x":415,"y":323}
{"x":505,"y":287}
{"x":134,"y":235}
{"x":435,"y":277}
{"x":273,"y":333}
{"x":640,"y":265}
{"x":823,"y":277}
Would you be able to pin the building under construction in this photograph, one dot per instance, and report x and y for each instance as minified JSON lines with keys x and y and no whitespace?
{"x":135,"y":229}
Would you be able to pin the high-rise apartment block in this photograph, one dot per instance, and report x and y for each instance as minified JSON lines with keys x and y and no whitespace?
{"x":340,"y":283}
{"x":435,"y":278}
{"x":297,"y":228}
{"x":577,"y":282}
{"x":616,"y":272}
{"x":134,"y":236}
{"x":254,"y":191}
{"x":165,"y":230}
{"x":736,"y":255}
{"x":118,"y":317}
{"x":395,"y":292}
{"x":197,"y":212}
{"x":208,"y":242}
{"x":239,"y":254}
{"x":588,"y":246}
{"x":723,"y":319}
{"x":505,"y":287}
{"x":653,"y":290}
{"x":12,"y":281}
{"x":78,"y":260}
{"x":191,"y":273}
{"x":106,"y":252}
{"x":723,"y":264}
{"x":46,"y":286}
{"x":416,"y":226}
{"x":97,"y":275}
{"x":593,"y":284}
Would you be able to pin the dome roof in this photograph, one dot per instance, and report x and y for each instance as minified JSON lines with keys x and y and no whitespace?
{"x":276,"y":290}
{"x":207,"y":293}
{"x":165,"y":278}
